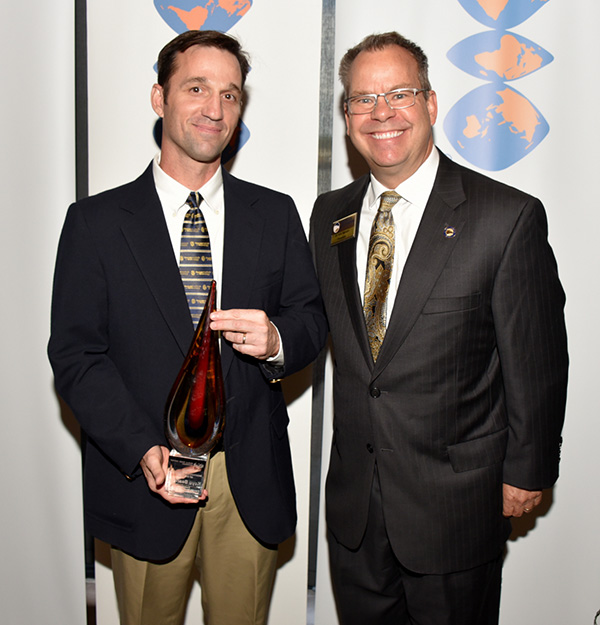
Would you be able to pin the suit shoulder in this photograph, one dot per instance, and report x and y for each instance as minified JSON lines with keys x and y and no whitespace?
{"x":115,"y":196}
{"x":475,"y":183}
{"x":350,"y":190}
{"x":104,"y":213}
{"x":327,"y":205}
{"x":253,"y":191}
{"x":483,"y":200}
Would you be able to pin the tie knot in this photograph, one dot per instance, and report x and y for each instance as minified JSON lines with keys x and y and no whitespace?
{"x":388,"y":199}
{"x":194,"y":199}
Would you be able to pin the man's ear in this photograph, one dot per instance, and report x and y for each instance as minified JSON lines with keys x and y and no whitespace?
{"x":432,"y":107}
{"x":157,"y":97}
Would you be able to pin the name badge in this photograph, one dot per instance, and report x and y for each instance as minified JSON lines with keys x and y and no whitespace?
{"x":343,"y":229}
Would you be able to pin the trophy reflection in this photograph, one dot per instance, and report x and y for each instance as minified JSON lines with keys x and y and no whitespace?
{"x":195,"y":410}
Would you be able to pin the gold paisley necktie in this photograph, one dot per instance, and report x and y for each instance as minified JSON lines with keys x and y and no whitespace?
{"x":195,"y":259}
{"x":379,"y":271}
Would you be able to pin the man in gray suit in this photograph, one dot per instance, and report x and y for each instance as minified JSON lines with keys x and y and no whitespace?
{"x":446,"y":316}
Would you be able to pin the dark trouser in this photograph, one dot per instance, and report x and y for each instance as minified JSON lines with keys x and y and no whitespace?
{"x":372,"y":588}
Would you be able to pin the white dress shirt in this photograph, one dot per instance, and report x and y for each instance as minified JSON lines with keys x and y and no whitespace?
{"x":407,"y":213}
{"x":173,"y":196}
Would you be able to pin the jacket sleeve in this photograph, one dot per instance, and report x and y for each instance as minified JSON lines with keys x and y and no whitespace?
{"x":79,"y":351}
{"x":527,"y":307}
{"x":301,"y":318}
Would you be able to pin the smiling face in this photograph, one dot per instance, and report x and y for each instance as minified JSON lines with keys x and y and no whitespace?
{"x":200,"y":107}
{"x":394,"y":142}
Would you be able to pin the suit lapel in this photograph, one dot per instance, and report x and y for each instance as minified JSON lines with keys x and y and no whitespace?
{"x":146,"y":233}
{"x":244,"y":228}
{"x":426,"y":260}
{"x":347,"y":266}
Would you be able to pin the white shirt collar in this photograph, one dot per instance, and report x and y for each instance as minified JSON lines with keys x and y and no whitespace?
{"x":415,"y":189}
{"x":173,"y":194}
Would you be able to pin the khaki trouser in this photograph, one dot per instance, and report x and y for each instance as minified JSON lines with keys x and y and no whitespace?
{"x":236,"y":571}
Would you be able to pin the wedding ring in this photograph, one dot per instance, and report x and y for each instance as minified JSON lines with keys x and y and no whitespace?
{"x":526,"y":510}
{"x":244,"y":338}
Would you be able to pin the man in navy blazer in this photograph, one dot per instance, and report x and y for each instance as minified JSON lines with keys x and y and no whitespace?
{"x":121,"y":327}
{"x":452,"y":424}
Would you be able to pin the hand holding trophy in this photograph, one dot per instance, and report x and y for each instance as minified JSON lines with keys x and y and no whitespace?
{"x":195,"y":410}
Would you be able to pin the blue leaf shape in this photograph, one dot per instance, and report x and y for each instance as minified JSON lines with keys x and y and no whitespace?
{"x":499,"y":55}
{"x":502,"y":14}
{"x":494,"y":126}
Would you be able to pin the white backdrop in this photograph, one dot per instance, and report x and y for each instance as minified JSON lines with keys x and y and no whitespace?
{"x":41,"y":567}
{"x":552,"y":575}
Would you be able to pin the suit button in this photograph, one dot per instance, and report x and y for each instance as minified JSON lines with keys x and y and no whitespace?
{"x":370,"y":448}
{"x":375,"y":392}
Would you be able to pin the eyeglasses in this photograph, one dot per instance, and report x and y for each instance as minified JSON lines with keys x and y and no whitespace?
{"x":396,"y":99}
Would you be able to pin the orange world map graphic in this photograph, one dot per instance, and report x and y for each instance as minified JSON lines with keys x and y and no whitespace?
{"x":196,"y":17}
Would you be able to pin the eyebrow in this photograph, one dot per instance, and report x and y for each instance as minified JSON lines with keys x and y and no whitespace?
{"x":359,"y":93}
{"x":204,"y":81}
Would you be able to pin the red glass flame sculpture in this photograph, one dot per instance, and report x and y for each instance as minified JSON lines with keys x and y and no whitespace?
{"x":195,"y":410}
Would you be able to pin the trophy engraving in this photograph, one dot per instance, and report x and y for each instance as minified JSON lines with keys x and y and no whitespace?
{"x":195,"y":410}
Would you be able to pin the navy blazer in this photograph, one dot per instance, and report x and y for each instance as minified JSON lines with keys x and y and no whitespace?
{"x":121,"y":328}
{"x":469,"y":387}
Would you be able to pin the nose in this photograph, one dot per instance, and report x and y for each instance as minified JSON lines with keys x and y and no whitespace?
{"x":382,"y":110}
{"x":213,"y":107}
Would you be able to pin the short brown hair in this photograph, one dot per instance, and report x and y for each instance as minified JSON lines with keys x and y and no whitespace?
{"x":379,"y":42}
{"x":205,"y":38}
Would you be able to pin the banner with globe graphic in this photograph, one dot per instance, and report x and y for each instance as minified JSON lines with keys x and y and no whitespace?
{"x":495,"y":125}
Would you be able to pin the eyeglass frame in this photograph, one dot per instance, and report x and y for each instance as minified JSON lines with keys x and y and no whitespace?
{"x":385,"y":95}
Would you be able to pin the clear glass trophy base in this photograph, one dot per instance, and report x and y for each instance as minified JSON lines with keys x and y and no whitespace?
{"x":186,"y":476}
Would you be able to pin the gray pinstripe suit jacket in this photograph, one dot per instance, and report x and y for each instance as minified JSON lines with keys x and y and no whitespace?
{"x":469,"y":388}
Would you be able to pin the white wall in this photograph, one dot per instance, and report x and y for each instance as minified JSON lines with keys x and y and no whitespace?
{"x":41,"y":569}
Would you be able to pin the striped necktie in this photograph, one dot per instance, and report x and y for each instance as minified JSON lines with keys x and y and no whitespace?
{"x":195,"y":259}
{"x":380,"y":260}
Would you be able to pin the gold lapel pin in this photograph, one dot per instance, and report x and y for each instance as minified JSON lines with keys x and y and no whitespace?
{"x":449,"y":232}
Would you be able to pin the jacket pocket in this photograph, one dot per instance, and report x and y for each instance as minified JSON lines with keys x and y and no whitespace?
{"x":479,"y":452}
{"x":451,"y":304}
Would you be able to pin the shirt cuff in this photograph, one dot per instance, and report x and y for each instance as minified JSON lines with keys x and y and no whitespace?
{"x":278,"y":360}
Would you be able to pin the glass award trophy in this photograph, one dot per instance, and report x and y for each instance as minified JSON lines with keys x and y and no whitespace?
{"x":195,"y":410}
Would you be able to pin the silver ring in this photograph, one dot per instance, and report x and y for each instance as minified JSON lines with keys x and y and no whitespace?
{"x":526,"y":510}
{"x":244,"y":338}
